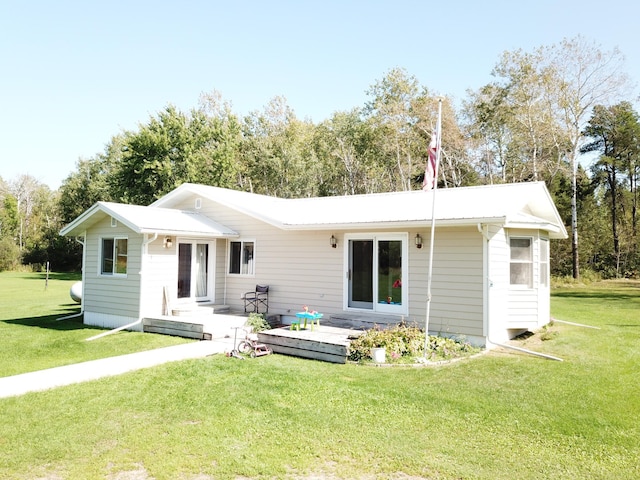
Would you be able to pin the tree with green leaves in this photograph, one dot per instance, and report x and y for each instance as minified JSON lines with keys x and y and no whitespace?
{"x":171,"y":149}
{"x":615,"y":134}
{"x":277,"y":152}
{"x":393,"y":111}
{"x":581,"y":76}
{"x":534,"y":119}
{"x":90,"y":182}
{"x":345,"y":146}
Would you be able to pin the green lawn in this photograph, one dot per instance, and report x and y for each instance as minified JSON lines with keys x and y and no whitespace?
{"x":503,"y":415}
{"x":33,"y":338}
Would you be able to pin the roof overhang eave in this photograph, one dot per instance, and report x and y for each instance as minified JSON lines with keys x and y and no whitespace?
{"x":555,"y":231}
{"x":457,"y":222}
{"x":189,"y":233}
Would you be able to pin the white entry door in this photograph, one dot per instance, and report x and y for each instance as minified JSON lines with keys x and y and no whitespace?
{"x":195,"y":270}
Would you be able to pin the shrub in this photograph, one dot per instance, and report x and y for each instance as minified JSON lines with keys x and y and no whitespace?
{"x":547,"y":333}
{"x":9,"y":254}
{"x":405,"y":343}
{"x":257,"y":322}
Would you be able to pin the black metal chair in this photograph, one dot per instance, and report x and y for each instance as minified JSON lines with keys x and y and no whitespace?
{"x":256,"y":299}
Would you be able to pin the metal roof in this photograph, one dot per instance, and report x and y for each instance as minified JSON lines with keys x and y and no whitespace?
{"x":522,"y":204}
{"x":163,"y":221}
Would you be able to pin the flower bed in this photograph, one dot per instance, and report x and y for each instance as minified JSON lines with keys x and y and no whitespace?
{"x":406,"y":344}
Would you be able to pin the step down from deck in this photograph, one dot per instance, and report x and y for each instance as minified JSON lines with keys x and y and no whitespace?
{"x":175,"y":328}
{"x":198,"y":309}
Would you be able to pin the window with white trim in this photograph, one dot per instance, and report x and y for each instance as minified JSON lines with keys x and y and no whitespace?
{"x":241,"y":257}
{"x":521,"y":263}
{"x":114,"y":256}
{"x":544,"y":262}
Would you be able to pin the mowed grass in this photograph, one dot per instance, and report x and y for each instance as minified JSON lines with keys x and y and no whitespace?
{"x":32,"y":337}
{"x":502,"y":415}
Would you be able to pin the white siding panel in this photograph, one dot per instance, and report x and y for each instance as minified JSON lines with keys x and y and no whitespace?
{"x":105,"y":320}
{"x":160,"y":270}
{"x":498,"y":278}
{"x":112,"y":294}
{"x":302,"y":269}
{"x":523,"y":302}
{"x":457,"y":296}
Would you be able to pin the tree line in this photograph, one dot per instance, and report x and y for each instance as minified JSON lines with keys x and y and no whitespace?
{"x":542,"y":115}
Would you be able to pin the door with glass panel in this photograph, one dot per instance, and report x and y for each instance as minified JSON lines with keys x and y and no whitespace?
{"x":376,"y":268}
{"x":194,"y":270}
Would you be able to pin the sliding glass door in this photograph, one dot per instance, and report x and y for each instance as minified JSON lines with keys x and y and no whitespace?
{"x":376,"y":268}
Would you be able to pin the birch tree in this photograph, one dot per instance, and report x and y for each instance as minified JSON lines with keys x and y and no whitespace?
{"x":580,"y":76}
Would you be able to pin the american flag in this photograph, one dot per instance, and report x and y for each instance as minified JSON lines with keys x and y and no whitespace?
{"x":430,"y":174}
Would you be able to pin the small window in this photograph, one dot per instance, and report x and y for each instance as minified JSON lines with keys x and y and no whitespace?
{"x":114,"y":256}
{"x":544,"y":262}
{"x":521,"y":265}
{"x":241,"y":256}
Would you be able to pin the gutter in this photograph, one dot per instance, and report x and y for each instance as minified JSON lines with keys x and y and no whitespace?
{"x":524,"y":350}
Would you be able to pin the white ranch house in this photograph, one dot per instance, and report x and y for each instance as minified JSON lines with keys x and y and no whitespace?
{"x":349,"y":255}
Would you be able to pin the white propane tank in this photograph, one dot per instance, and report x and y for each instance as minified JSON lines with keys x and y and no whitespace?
{"x":76,"y":292}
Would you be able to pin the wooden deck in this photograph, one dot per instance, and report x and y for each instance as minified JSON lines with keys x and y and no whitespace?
{"x":326,"y":343}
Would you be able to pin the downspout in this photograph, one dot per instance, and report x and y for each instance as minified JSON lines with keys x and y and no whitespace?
{"x":484,"y":231}
{"x":226,"y":269}
{"x":139,"y":321}
{"x":84,"y":253}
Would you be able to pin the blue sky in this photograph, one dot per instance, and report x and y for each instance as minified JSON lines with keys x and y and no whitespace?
{"x":75,"y":73}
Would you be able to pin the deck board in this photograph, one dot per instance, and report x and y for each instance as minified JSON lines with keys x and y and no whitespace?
{"x":326,"y":343}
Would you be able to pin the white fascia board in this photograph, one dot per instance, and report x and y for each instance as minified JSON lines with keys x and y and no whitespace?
{"x":188,"y":233}
{"x":458,"y":222}
{"x":93,"y":210}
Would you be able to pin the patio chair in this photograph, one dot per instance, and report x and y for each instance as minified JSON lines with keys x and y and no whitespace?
{"x":256,"y":299}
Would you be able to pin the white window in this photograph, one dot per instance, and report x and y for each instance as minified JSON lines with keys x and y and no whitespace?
{"x":521,"y":265}
{"x":241,"y":257}
{"x":113,"y":256}
{"x":544,"y":262}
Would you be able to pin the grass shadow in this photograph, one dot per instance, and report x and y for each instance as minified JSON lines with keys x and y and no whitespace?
{"x":52,"y":322}
{"x":42,"y":276}
{"x":602,"y":295}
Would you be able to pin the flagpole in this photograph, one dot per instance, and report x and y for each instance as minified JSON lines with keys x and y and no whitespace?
{"x":433,"y":225}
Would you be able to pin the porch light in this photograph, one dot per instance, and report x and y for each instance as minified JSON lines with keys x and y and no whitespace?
{"x":418,"y":240}
{"x":167,"y":242}
{"x":333,"y":241}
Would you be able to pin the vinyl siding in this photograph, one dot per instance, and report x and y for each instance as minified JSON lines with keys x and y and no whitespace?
{"x":280,"y":257}
{"x":456,"y":288}
{"x":116,"y":296}
{"x":160,"y":269}
{"x":523,"y":303}
{"x":498,"y":283}
{"x":301,"y":268}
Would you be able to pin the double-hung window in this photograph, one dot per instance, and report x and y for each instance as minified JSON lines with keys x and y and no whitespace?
{"x":241,"y":257}
{"x":521,"y":263}
{"x":113,"y":256}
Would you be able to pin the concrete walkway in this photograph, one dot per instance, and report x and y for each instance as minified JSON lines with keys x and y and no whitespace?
{"x":106,"y":367}
{"x":221,"y":327}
